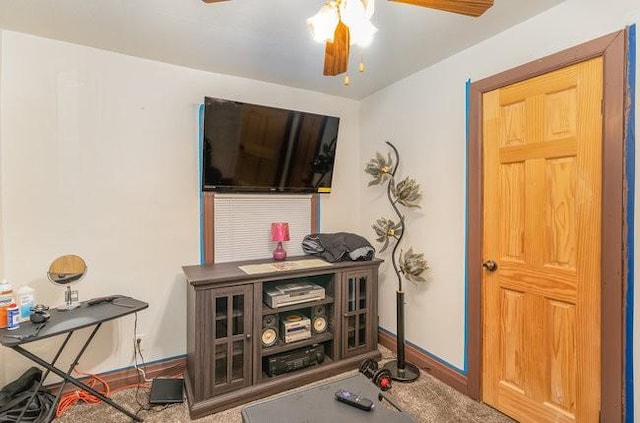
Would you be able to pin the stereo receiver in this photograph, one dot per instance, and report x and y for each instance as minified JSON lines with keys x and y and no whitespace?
{"x":294,"y":360}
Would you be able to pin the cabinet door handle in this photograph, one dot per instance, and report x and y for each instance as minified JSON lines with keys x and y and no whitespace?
{"x":248,"y":336}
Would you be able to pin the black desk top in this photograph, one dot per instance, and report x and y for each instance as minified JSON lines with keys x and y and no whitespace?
{"x":67,"y":321}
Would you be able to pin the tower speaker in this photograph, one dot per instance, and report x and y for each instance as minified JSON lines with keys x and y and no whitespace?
{"x":319,"y":320}
{"x":269,"y":330}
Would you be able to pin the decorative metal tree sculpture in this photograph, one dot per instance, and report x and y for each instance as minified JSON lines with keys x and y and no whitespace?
{"x":409,"y":265}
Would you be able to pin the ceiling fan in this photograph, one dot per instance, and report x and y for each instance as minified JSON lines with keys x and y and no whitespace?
{"x":338,"y":40}
{"x":465,"y":7}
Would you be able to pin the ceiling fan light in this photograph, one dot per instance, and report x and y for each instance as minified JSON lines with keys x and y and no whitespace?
{"x":369,"y":8}
{"x":362,"y":33}
{"x":323,"y":24}
{"x":354,"y":14}
{"x":352,"y":11}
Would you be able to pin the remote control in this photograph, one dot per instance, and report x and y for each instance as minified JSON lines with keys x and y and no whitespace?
{"x":354,"y":400}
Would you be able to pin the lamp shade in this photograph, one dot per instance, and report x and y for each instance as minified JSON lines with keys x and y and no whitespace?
{"x":280,"y":231}
{"x":323,"y":24}
{"x":356,"y":14}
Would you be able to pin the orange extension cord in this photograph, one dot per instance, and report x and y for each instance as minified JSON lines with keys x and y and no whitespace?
{"x":67,"y":400}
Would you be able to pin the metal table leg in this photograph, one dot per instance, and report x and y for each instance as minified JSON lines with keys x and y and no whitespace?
{"x":74,"y":363}
{"x":42,"y":379}
{"x":67,"y":376}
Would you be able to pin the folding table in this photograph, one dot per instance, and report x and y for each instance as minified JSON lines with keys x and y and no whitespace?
{"x":67,"y":322}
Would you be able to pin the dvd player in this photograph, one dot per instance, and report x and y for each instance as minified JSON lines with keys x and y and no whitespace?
{"x":292,"y":293}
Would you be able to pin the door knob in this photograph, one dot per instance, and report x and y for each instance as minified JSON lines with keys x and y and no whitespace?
{"x":490,"y":265}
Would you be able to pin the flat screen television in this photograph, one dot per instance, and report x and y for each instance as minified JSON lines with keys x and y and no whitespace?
{"x":253,"y":148}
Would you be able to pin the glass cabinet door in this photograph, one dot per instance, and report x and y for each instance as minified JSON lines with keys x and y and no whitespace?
{"x":230,"y":339}
{"x":357,"y":306}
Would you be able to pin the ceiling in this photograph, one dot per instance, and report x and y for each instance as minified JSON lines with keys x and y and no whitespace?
{"x":265,"y":40}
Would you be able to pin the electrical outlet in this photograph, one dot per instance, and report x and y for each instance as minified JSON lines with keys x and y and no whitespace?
{"x":139,"y":344}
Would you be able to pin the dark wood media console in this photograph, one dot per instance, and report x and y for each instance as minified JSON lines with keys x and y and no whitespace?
{"x":227,"y":361}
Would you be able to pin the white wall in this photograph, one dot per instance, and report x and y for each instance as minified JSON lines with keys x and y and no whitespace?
{"x":2,"y":350}
{"x":424,"y":116}
{"x":1,"y":226}
{"x":76,"y":125}
{"x":99,"y":158}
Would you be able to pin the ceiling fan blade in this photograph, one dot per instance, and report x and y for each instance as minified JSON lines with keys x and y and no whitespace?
{"x":212,"y":1}
{"x":464,"y":7}
{"x":336,"y":54}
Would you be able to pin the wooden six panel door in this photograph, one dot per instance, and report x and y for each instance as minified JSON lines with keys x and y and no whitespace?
{"x":542,"y":144}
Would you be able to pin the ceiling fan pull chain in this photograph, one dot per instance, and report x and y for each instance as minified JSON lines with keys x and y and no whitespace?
{"x":361,"y":67}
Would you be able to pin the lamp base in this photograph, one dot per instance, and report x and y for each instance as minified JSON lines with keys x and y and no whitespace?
{"x":279,"y":254}
{"x":408,"y":374}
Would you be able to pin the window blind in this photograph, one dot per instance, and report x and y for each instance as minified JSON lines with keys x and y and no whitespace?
{"x":242,"y":224}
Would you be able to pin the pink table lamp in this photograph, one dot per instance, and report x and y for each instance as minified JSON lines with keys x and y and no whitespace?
{"x":279,"y":232}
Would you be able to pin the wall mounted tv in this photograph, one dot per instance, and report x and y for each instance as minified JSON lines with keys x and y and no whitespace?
{"x":252,"y":148}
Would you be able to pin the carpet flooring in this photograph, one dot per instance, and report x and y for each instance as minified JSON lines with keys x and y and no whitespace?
{"x":426,"y":399}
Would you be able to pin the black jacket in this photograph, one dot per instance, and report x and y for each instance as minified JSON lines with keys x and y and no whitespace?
{"x":340,"y":246}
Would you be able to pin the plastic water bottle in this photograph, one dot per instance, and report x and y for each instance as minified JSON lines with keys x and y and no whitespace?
{"x":6,"y":299}
{"x":25,"y":301}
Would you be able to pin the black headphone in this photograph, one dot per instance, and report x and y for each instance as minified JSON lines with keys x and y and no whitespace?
{"x":39,"y":314}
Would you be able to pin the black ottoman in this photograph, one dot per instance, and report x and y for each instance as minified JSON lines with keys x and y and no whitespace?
{"x":318,"y":405}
